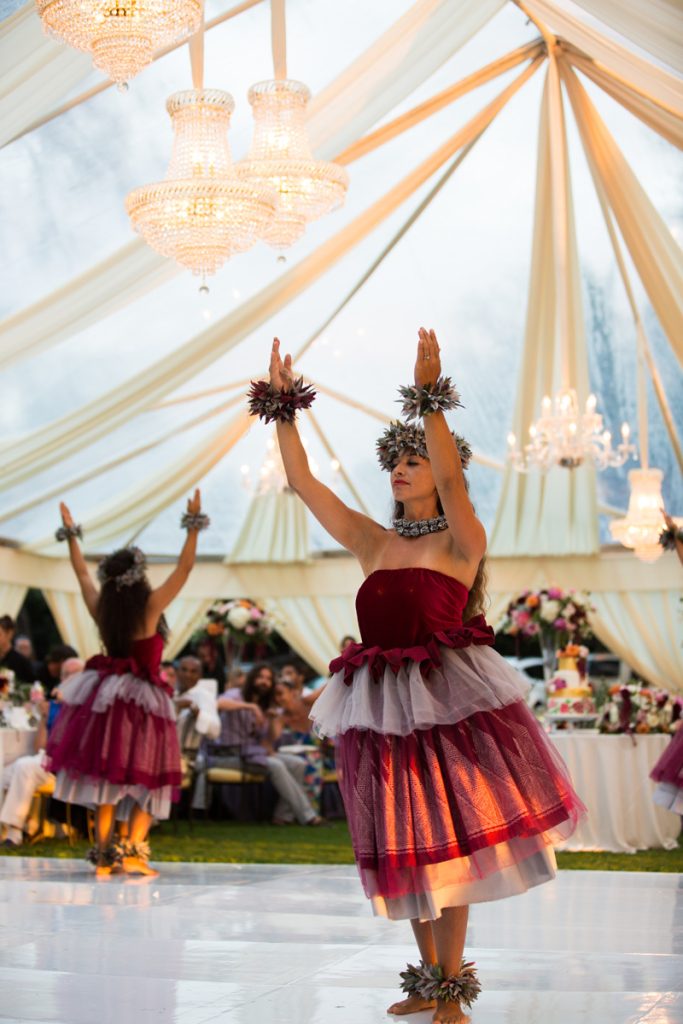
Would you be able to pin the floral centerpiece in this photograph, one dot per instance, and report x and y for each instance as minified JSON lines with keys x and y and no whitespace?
{"x":236,"y":625}
{"x":635,"y":708}
{"x":557,"y":617}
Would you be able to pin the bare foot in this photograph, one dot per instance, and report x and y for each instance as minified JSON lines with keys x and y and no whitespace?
{"x":413,"y":1004}
{"x":449,"y":1013}
{"x":138,"y":866}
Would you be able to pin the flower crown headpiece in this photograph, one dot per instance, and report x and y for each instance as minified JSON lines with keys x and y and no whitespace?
{"x":400,"y":438}
{"x":132,"y":575}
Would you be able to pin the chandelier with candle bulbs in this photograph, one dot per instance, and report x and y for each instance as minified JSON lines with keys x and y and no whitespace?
{"x":641,"y":528}
{"x":563,"y":436}
{"x":201,"y":213}
{"x":123,"y":36}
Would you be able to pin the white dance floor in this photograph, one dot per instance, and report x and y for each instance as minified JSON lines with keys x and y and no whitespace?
{"x":225,"y":944}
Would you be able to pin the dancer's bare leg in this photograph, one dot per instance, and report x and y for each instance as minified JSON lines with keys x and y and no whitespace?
{"x":139,"y":826}
{"x":104,"y":830}
{"x":422,"y":930}
{"x":449,"y":932}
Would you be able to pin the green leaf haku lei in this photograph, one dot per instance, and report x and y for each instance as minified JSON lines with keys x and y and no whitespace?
{"x":430,"y":982}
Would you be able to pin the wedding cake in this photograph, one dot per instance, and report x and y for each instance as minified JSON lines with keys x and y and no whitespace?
{"x":569,"y":693}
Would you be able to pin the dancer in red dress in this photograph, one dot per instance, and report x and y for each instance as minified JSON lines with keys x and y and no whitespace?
{"x":453,"y":793}
{"x":114,"y":747}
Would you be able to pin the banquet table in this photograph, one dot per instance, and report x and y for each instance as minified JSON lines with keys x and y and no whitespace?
{"x":611,"y":775}
{"x":14,"y":743}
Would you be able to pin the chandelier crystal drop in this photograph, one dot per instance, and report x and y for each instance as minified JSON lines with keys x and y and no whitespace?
{"x":644,"y":522}
{"x":562,"y":436}
{"x":201,"y":213}
{"x":122,"y":37}
{"x":280,"y":158}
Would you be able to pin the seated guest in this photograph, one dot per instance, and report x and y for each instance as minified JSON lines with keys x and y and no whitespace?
{"x":292,"y":727}
{"x":213,"y":661}
{"x":244,"y":744}
{"x":9,"y":657}
{"x":345,"y":642}
{"x":294,"y":674}
{"x":195,"y":701}
{"x":24,"y":645}
{"x":237,"y":677}
{"x":169,"y":673}
{"x":50,"y":672}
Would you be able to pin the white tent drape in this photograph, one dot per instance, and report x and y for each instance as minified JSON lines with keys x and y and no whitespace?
{"x":654,"y":251}
{"x":275,"y":530}
{"x":655,"y":82}
{"x":656,"y":26}
{"x":314,"y":626}
{"x":555,"y":513}
{"x":73,"y":621}
{"x":36,"y":72}
{"x":63,"y":437}
{"x":184,"y":616}
{"x":11,"y":598}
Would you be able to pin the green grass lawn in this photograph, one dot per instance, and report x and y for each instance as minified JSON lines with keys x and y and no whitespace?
{"x":262,"y":843}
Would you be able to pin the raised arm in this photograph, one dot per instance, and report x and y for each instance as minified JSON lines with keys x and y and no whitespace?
{"x":160,"y":598}
{"x":467,"y":533}
{"x":356,"y":532}
{"x":85,"y":581}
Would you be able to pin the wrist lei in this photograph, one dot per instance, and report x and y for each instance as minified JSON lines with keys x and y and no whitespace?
{"x":196,"y":521}
{"x":419,"y":527}
{"x":66,"y":532}
{"x":430,"y":982}
{"x":272,"y":405}
{"x":423,"y":399}
{"x":669,"y":536}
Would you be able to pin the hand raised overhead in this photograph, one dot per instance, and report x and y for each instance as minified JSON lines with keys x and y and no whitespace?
{"x":428,"y":361}
{"x":194,"y":504}
{"x":281,"y":374}
{"x":67,"y":518}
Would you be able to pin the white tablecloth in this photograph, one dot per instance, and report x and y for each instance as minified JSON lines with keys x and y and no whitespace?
{"x":15,"y":743}
{"x":611,"y":775}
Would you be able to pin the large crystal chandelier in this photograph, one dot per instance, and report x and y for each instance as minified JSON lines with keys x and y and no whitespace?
{"x":562,"y":436}
{"x":644,"y":521}
{"x":280,"y":158}
{"x":121,"y":36}
{"x":201,"y":213}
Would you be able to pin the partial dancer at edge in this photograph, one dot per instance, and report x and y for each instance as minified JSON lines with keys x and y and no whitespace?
{"x":454,"y":794}
{"x":114,"y":746}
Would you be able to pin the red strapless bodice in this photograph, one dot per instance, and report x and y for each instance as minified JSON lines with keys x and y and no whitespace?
{"x":405,"y":615}
{"x":144,"y":662}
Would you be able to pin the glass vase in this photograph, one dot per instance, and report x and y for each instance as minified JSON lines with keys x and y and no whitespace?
{"x":547,"y":644}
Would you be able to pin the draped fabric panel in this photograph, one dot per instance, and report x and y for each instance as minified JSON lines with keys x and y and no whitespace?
{"x":74,"y":622}
{"x":658,"y":118}
{"x":184,"y":616}
{"x":646,"y":630}
{"x":656,"y":26}
{"x":134,"y":510}
{"x":63,"y":437}
{"x":11,"y":598}
{"x":363,"y":93}
{"x":657,"y":83}
{"x":654,"y":251}
{"x":275,"y":530}
{"x":36,"y":72}
{"x":314,"y":626}
{"x":556,"y":512}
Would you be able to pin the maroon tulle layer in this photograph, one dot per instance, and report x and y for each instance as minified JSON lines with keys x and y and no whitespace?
{"x":427,"y":655}
{"x":669,"y":767}
{"x":450,"y":791}
{"x":124,"y":745}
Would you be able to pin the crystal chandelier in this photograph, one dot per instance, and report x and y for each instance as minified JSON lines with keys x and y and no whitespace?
{"x":562,"y":436}
{"x":280,"y":158}
{"x":201,"y":213}
{"x":644,"y":522}
{"x":272,"y":475}
{"x":122,"y":37}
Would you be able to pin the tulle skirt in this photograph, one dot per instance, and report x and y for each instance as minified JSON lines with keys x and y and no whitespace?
{"x":668,"y":774}
{"x":453,"y":792}
{"x":115,"y":742}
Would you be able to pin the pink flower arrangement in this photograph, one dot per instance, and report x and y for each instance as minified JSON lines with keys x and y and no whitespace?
{"x":551,"y":612}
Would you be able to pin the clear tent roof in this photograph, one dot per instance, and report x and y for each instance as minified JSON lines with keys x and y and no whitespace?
{"x":462,"y":268}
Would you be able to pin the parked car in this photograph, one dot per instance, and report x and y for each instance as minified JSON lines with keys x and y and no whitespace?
{"x":532,"y":671}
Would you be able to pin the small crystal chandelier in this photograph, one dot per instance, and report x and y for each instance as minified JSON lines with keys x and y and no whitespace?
{"x":564,"y":437}
{"x":644,"y":521}
{"x":201,"y":213}
{"x":272,"y":475}
{"x":122,"y":37}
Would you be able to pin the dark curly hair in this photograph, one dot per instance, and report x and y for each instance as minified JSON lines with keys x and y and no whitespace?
{"x":121,"y":610}
{"x":249,"y":692}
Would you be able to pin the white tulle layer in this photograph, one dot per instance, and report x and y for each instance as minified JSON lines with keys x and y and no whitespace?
{"x":128,"y":687}
{"x":507,"y":869}
{"x":469,"y":680}
{"x":667,"y":795}
{"x":91,"y":793}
